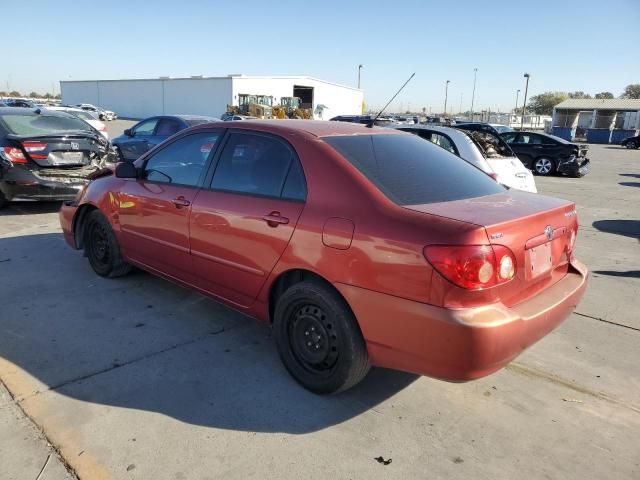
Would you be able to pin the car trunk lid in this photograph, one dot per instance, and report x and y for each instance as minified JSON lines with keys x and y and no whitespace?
{"x":539,"y":230}
{"x":72,"y":150}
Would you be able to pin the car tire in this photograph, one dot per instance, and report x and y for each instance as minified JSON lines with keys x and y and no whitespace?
{"x":544,"y":166}
{"x":3,"y":200}
{"x":318,"y":338}
{"x":101,"y":247}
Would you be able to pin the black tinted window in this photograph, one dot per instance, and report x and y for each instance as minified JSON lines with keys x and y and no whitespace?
{"x":411,"y":171}
{"x":182,"y":162}
{"x":295,"y":187}
{"x":253,"y":164}
{"x":167,"y":127}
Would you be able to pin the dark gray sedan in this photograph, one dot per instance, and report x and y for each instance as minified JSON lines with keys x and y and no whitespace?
{"x":152,"y":131}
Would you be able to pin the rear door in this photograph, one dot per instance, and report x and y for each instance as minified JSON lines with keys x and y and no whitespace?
{"x":167,"y":126}
{"x":526,"y":146}
{"x":139,"y":141}
{"x":241,"y":224}
{"x":154,"y":209}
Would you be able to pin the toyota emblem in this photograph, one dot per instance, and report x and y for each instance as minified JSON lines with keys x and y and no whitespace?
{"x":548,"y":231}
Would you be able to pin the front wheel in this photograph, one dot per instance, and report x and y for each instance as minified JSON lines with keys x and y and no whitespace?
{"x":101,"y":247}
{"x":631,"y":145}
{"x":318,"y":338}
{"x":544,"y":166}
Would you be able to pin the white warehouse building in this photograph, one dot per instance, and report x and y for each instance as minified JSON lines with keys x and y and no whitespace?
{"x":141,"y":98}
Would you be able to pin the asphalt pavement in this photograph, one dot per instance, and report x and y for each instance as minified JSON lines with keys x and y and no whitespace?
{"x":139,"y":378}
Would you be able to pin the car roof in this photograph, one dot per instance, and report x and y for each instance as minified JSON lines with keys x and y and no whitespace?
{"x":317,"y":128}
{"x":191,"y":117}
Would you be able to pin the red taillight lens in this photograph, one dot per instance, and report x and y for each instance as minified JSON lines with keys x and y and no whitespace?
{"x":473,"y":267}
{"x":493,"y":175}
{"x":14,"y":154}
{"x":32,"y":148}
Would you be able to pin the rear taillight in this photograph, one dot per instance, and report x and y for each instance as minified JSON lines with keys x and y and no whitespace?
{"x":32,"y":148}
{"x":473,"y":267}
{"x":14,"y":155}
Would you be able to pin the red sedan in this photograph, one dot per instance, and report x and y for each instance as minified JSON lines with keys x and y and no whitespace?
{"x":362,"y":246}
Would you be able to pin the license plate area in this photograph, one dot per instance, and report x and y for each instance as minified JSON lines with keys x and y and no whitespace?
{"x":66,"y":158}
{"x":538,"y":260}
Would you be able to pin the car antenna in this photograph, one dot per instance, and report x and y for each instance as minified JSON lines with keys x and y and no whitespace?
{"x":370,"y":124}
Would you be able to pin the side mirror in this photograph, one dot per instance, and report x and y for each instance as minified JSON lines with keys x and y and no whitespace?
{"x":126,"y":170}
{"x":128,"y":132}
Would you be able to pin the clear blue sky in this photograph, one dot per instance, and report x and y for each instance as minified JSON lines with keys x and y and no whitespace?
{"x":584,"y":45}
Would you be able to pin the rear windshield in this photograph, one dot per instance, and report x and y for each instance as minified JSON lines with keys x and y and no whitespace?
{"x":411,"y":171}
{"x":85,"y":115}
{"x":41,"y":124}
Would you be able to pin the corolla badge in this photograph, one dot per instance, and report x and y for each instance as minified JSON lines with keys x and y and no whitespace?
{"x":548,"y":231}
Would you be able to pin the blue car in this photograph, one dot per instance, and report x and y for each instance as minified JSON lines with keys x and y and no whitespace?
{"x":152,"y":131}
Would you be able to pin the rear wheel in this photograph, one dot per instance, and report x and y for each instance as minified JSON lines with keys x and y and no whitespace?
{"x":3,"y":200}
{"x":318,"y":338}
{"x":544,"y":166}
{"x":101,"y":247}
{"x":631,"y":145}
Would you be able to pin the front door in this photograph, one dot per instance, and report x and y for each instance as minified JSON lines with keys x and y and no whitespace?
{"x":138,"y":142}
{"x":154,"y":209}
{"x":242,"y":223}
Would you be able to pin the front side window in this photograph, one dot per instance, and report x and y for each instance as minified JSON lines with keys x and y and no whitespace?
{"x":146,"y":128}
{"x":183,"y":161}
{"x":529,"y":139}
{"x":253,"y":164}
{"x":410,"y":171}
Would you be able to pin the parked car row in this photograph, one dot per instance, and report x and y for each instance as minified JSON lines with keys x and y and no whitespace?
{"x":361,"y":246}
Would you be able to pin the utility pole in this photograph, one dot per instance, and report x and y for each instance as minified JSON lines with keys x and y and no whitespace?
{"x":359,"y":68}
{"x":473,"y":95}
{"x":517,"y":96}
{"x":524,"y":105}
{"x":460,"y":111}
{"x":446,"y":92}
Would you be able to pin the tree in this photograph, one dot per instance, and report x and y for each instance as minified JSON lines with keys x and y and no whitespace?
{"x":631,"y":91}
{"x":543,"y":103}
{"x":579,"y":94}
{"x":604,"y":95}
{"x":14,"y":93}
{"x":58,"y":97}
{"x":47,"y":95}
{"x":34,"y":95}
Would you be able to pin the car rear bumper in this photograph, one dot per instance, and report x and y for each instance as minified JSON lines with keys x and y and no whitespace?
{"x":29,"y":187}
{"x":67,"y":213}
{"x":459,"y":345}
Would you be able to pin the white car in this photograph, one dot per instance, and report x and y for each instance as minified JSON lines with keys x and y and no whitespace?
{"x":102,"y":114}
{"x":90,"y":117}
{"x":484,"y":150}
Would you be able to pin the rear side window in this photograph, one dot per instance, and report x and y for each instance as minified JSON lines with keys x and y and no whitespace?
{"x":410,"y":171}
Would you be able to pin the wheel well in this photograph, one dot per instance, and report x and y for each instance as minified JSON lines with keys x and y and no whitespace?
{"x":79,"y":221}
{"x":289,"y":278}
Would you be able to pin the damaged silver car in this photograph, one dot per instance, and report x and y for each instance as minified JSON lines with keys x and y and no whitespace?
{"x":48,"y":155}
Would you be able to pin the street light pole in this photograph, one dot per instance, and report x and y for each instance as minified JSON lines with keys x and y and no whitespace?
{"x":446,"y":92}
{"x":460,"y":111}
{"x":473,"y":95}
{"x":359,"y":68}
{"x":524,"y":105}
{"x":517,"y":96}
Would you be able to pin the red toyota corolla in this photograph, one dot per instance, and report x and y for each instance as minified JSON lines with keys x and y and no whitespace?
{"x":362,"y":246}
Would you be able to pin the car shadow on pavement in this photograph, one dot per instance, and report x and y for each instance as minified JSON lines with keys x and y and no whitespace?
{"x":632,"y":175}
{"x":613,"y":273}
{"x":29,"y":208}
{"x":140,"y":342}
{"x":629,"y":184}
{"x":627,"y":228}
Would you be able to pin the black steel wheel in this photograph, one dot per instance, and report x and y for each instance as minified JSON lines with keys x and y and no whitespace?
{"x":318,"y":338}
{"x":101,"y":247}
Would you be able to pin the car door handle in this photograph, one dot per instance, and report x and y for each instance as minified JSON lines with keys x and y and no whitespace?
{"x":274,"y":219}
{"x":181,"y":202}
